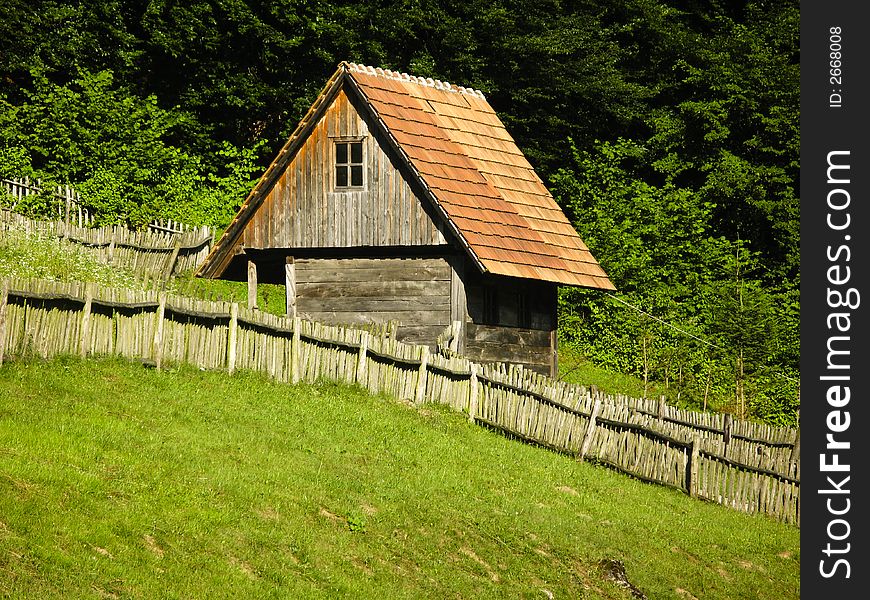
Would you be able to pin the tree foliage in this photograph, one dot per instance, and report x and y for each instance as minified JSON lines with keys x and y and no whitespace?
{"x":696,"y":217}
{"x":118,"y":147}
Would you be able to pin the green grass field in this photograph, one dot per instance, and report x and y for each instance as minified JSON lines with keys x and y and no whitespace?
{"x":118,"y":481}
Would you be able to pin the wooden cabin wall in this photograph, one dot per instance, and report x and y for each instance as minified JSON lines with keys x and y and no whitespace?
{"x":512,"y":321}
{"x":413,"y":292}
{"x":303,"y":210}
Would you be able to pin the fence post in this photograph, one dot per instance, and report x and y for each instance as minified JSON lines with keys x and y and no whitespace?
{"x":693,"y":466}
{"x":232,"y":337}
{"x":661,"y":409}
{"x":794,"y":459}
{"x":85,"y":341}
{"x":294,"y":350}
{"x":66,"y":213}
{"x":290,"y":285}
{"x":590,"y":428}
{"x":173,"y":258}
{"x":361,"y":360}
{"x":111,"y":256}
{"x":421,"y":375}
{"x":158,"y":329}
{"x":4,"y":298}
{"x":726,"y":433}
{"x":472,"y":394}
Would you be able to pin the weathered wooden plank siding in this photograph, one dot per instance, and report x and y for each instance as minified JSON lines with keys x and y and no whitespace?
{"x":303,"y":209}
{"x":413,"y":292}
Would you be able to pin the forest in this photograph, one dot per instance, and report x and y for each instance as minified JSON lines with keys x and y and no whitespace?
{"x":667,"y":130}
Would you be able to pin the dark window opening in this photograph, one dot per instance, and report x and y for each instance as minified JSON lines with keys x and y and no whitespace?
{"x":348,"y":165}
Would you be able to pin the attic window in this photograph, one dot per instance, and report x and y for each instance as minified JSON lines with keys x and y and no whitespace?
{"x":349,"y":164}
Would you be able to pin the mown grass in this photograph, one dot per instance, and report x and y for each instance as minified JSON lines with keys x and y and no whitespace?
{"x":121,"y":481}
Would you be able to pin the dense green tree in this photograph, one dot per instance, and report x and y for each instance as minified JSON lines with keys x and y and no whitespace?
{"x":712,"y":176}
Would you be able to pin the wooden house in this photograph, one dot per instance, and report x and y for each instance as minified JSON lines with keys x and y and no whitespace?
{"x":404,"y":199}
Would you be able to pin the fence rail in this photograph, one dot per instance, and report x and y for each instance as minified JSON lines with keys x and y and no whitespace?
{"x":746,"y":466}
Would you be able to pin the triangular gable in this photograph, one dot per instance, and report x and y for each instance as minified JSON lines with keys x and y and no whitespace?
{"x":307,"y":208}
{"x":470,"y":168}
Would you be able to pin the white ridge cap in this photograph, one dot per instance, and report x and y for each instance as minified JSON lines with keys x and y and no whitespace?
{"x":405,"y":77}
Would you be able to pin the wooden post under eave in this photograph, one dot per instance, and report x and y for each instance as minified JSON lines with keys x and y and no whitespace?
{"x":252,"y":285}
{"x":458,"y":305}
{"x":290,"y":285}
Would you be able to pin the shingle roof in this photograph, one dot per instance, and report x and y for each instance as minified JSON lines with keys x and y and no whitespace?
{"x":477,"y":176}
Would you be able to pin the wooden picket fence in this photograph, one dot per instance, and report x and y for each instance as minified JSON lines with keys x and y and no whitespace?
{"x":746,"y":466}
{"x":66,"y":205}
{"x":64,"y":202}
{"x":153,"y":254}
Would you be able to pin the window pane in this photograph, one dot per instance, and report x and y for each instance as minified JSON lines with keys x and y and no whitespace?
{"x":356,"y":152}
{"x":341,"y":153}
{"x":356,"y":176}
{"x":340,"y":176}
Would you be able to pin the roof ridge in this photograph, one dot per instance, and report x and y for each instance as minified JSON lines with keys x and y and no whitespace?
{"x":405,"y":77}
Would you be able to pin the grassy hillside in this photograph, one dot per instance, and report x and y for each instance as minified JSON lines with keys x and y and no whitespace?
{"x":117,"y":481}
